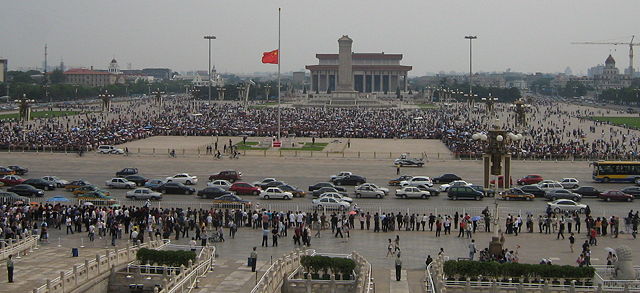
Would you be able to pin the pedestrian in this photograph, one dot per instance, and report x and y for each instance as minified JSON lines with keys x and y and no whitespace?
{"x":560,"y":230}
{"x":398,"y":170}
{"x":472,"y":249}
{"x":572,"y":240}
{"x":274,"y":237}
{"x":10,"y":268}
{"x":429,"y":260}
{"x":396,"y":244}
{"x":389,"y":248}
{"x":265,"y":237}
{"x":254,"y":259}
{"x":398,"y":267}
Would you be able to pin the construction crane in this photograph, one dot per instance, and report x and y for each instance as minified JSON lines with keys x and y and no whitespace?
{"x":630,"y":44}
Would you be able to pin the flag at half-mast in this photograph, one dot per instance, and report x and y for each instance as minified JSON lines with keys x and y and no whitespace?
{"x":270,"y":57}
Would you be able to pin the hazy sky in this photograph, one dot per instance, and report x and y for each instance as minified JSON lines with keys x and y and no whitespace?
{"x":526,"y":36}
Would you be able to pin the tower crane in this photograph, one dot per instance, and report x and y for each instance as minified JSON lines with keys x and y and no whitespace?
{"x":629,"y":70}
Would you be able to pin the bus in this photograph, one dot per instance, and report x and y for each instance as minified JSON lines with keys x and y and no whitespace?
{"x":616,"y":171}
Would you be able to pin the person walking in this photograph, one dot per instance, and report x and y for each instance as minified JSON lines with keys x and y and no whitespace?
{"x":10,"y":268}
{"x":572,"y":240}
{"x":398,"y":170}
{"x":265,"y":238}
{"x":472,"y":249}
{"x":398,"y":267}
{"x":389,"y":248}
{"x":560,"y":230}
{"x":274,"y":237}
{"x":254,"y":259}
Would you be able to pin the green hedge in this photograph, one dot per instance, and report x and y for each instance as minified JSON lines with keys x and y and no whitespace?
{"x":319,"y":263}
{"x":171,"y":258}
{"x":473,"y":269}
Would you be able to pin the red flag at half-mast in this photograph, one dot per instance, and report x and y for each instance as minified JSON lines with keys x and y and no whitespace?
{"x":270,"y":57}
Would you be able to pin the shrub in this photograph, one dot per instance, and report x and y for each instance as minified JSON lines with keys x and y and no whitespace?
{"x":172,"y":258}
{"x":472,"y":269}
{"x":317,"y":263}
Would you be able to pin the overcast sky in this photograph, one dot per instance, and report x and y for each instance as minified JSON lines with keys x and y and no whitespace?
{"x":527,"y":36}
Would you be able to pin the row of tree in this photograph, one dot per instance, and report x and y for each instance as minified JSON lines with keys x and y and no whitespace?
{"x":503,"y":94}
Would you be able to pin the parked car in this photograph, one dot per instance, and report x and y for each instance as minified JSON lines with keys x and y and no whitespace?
{"x":154,"y":184}
{"x":127,"y":171}
{"x":368,"y":191}
{"x":88,"y":188}
{"x":275,"y":192}
{"x":97,"y":198}
{"x":224,"y":184}
{"x":109,"y":149}
{"x":55,"y":180}
{"x":137,"y":179}
{"x":183,"y":178}
{"x":516,"y":193}
{"x":350,"y":180}
{"x":337,"y":196}
{"x":264,"y":181}
{"x":10,"y":180}
{"x":458,"y":192}
{"x":445,"y":187}
{"x":340,"y":175}
{"x":244,"y":188}
{"x":412,"y":192}
{"x":297,"y":192}
{"x":396,"y":181}
{"x":231,"y":199}
{"x":566,"y":205}
{"x":330,"y":203}
{"x":446,"y":178}
{"x":40,"y":184}
{"x":6,"y":171}
{"x":26,"y":190}
{"x":411,"y":162}
{"x":570,"y":183}
{"x":616,"y":195}
{"x":229,"y":175}
{"x":318,"y":192}
{"x":501,"y":182}
{"x":432,"y":191}
{"x":417,"y":180}
{"x":120,"y":183}
{"x":75,"y":184}
{"x":633,"y":190}
{"x":212,"y":192}
{"x":530,"y":179}
{"x":18,"y":170}
{"x":383,"y":189}
{"x":271,"y":184}
{"x":587,"y":191}
{"x":144,"y":193}
{"x":176,"y":188}
{"x":10,"y":197}
{"x":550,"y":185}
{"x":487,"y":192}
{"x":554,"y":194}
{"x":325,"y":184}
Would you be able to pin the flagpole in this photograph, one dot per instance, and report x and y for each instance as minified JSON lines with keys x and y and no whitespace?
{"x":279,"y":74}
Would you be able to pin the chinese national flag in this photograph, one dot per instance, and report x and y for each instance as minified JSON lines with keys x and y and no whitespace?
{"x":270,"y":57}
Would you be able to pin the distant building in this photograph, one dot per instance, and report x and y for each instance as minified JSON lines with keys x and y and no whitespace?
{"x":87,"y":77}
{"x":299,"y":78}
{"x":113,"y":67}
{"x":608,"y":78}
{"x":158,"y":73}
{"x":3,"y":70}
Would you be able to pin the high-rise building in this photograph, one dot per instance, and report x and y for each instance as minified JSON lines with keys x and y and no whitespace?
{"x":3,"y":70}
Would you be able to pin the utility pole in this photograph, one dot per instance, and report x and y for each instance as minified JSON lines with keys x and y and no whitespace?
{"x":209,"y":38}
{"x":470,"y":38}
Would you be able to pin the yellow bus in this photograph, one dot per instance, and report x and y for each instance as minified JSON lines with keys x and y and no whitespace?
{"x":616,"y":171}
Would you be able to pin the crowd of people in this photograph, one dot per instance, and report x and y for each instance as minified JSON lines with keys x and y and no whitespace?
{"x":551,"y":130}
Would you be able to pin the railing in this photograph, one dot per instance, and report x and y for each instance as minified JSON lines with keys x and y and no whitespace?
{"x":604,"y":275}
{"x":429,"y":286}
{"x":14,"y":247}
{"x":75,"y":277}
{"x":187,"y":280}
{"x":272,"y":279}
{"x":494,"y":286}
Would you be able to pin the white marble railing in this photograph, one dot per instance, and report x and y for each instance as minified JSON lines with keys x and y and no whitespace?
{"x":15,"y":247}
{"x":272,"y":279}
{"x":80,"y":274}
{"x":188,"y":279}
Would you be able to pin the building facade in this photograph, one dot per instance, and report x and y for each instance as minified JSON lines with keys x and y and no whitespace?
{"x":607,"y":77}
{"x":87,"y":77}
{"x":3,"y":70}
{"x":371,"y":73}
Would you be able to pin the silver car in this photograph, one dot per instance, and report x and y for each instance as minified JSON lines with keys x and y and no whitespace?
{"x":144,"y":193}
{"x":224,"y":184}
{"x":555,"y":194}
{"x":368,"y":191}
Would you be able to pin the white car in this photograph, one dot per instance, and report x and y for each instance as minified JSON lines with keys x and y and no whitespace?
{"x":144,"y":193}
{"x":120,"y":183}
{"x":566,"y":205}
{"x":330,"y":203}
{"x":224,"y":184}
{"x":337,"y":196}
{"x":418,"y":180}
{"x":445,"y":187}
{"x":183,"y":178}
{"x":263,"y":181}
{"x":570,"y":183}
{"x":550,"y":186}
{"x":109,"y":149}
{"x":339,"y":175}
{"x":55,"y":180}
{"x":375,"y":187}
{"x":411,"y":191}
{"x":274,"y":192}
{"x":365,"y":190}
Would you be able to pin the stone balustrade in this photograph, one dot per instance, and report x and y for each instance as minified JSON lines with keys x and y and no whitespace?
{"x":18,"y":246}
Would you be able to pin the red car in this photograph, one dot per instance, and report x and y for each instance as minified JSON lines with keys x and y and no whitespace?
{"x":241,"y":188}
{"x":501,"y":181}
{"x":615,"y":195}
{"x":530,"y":179}
{"x":229,"y":175}
{"x":10,"y":180}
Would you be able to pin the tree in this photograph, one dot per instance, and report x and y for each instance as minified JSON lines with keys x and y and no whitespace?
{"x":57,"y":76}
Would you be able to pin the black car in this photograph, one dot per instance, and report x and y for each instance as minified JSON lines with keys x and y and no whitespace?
{"x":26,"y":190}
{"x":486,"y":192}
{"x":446,"y":178}
{"x":139,"y":180}
{"x":408,"y":163}
{"x":534,"y":189}
{"x":40,"y":183}
{"x":10,"y":197}
{"x":126,"y":172}
{"x":176,"y":188}
{"x":322,"y":190}
{"x":633,"y":190}
{"x":271,"y":184}
{"x":350,"y":180}
{"x":587,"y":191}
{"x":325,"y":184}
{"x":19,"y":170}
{"x":459,"y":192}
{"x":212,"y":192}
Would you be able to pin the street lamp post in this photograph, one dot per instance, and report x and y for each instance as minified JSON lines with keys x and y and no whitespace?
{"x":489,"y":101}
{"x":24,"y":108}
{"x":106,"y":100}
{"x":158,"y":94}
{"x":520,"y":113}
{"x":209,"y":38}
{"x":470,"y":38}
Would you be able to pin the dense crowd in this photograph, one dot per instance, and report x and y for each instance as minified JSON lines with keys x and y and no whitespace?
{"x":548,"y":134}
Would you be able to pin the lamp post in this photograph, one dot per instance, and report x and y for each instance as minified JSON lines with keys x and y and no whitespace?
{"x":267,"y":89}
{"x":496,"y":155}
{"x":24,"y":108}
{"x":470,"y":99}
{"x":470,"y":38}
{"x":158,"y":94}
{"x":520,"y":113}
{"x":106,"y":100}
{"x":489,"y":101}
{"x":221,"y":90}
{"x":209,"y":38}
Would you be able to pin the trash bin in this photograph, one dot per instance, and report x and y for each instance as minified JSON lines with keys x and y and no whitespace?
{"x":75,"y":252}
